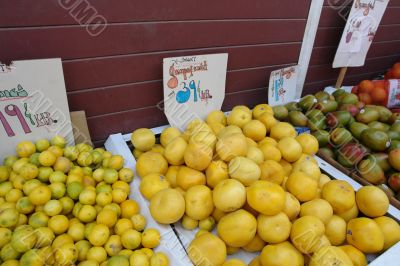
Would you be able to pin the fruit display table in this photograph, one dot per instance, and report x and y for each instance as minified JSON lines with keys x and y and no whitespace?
{"x":118,"y":143}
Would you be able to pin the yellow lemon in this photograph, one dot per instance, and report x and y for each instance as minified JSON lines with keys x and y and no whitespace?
{"x":231,"y":146}
{"x":255,"y":130}
{"x":260,"y":109}
{"x":330,"y":255}
{"x":175,"y":151}
{"x":47,"y":158}
{"x":244,"y":170}
{"x":237,"y":228}
{"x":365,"y":234}
{"x":271,"y":152}
{"x":272,"y":171}
{"x":339,"y":194}
{"x":77,"y":231}
{"x":151,"y":162}
{"x":143,"y":139}
{"x":25,"y":149}
{"x":119,"y":195}
{"x":238,"y":117}
{"x":168,"y":135}
{"x":281,"y":254}
{"x":216,"y":172}
{"x":207,"y":247}
{"x":302,"y":186}
{"x":151,"y":184}
{"x":98,"y":254}
{"x":268,"y":140}
{"x":319,"y":208}
{"x":138,"y":222}
{"x":306,"y":233}
{"x":87,"y":213}
{"x":256,"y":244}
{"x":335,"y":230}
{"x":357,"y":257}
{"x":167,"y":206}
{"x":268,"y":120}
{"x":131,"y":239}
{"x":234,"y":262}
{"x":309,"y":143}
{"x":255,"y":154}
{"x":129,"y":208}
{"x":290,"y":149}
{"x":107,"y":217}
{"x":281,"y":130}
{"x":372,"y":201}
{"x":229,"y":195}
{"x":216,"y":116}
{"x":266,"y":197}
{"x":151,"y":238}
{"x":390,"y":229}
{"x":171,"y":175}
{"x":113,"y":245}
{"x":122,"y":225}
{"x":292,"y":206}
{"x":99,"y":235}
{"x":58,"y":224}
{"x":198,"y":156}
{"x":126,"y":175}
{"x":274,"y":229}
{"x":159,"y":259}
{"x":188,"y":177}
{"x":40,"y":195}
{"x":199,"y":202}
{"x":189,"y":223}
{"x":139,"y":258}
{"x":349,"y":214}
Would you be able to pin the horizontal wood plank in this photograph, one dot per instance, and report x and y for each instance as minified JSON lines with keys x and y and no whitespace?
{"x":74,"y":42}
{"x":325,"y":55}
{"x":100,"y":72}
{"x":19,"y":13}
{"x":102,"y":126}
{"x":326,"y":72}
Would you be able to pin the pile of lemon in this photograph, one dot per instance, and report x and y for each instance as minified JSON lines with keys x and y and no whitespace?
{"x":69,"y":206}
{"x":255,"y":180}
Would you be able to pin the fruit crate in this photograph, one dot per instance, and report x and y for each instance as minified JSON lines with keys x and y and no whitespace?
{"x":176,"y":239}
{"x":354,"y":175}
{"x":175,"y":246}
{"x":170,"y":243}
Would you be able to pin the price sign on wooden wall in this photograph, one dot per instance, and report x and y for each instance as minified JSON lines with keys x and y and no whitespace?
{"x":193,"y":87}
{"x":33,"y":103}
{"x":282,"y":85}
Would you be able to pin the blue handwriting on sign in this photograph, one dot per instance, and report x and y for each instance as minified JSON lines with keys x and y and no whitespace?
{"x":184,"y":95}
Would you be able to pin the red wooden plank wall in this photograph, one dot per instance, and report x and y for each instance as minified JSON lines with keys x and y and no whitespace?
{"x":384,"y":51}
{"x":116,"y":76}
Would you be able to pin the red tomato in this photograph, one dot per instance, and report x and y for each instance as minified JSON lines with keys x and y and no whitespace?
{"x":366,"y":86}
{"x":378,"y":95}
{"x":365,"y":98}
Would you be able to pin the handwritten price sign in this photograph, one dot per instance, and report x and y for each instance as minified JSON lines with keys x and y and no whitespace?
{"x":193,"y":87}
{"x":282,"y":85}
{"x":33,"y":103}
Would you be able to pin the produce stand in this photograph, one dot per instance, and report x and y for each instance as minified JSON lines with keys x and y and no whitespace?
{"x":119,"y":143}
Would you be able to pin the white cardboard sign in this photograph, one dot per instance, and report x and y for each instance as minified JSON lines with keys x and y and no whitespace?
{"x":360,"y":29}
{"x":193,"y":87}
{"x":282,"y":85}
{"x":33,"y":103}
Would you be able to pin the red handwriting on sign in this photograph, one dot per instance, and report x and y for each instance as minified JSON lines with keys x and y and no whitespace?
{"x":13,"y":110}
